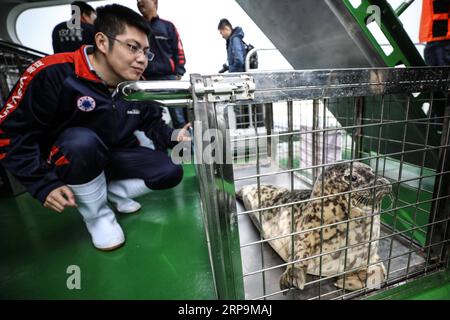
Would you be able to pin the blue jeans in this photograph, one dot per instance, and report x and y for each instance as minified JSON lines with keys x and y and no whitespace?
{"x":437,"y":53}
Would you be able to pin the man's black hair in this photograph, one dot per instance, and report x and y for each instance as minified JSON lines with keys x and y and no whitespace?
{"x":84,"y":7}
{"x":224,"y":23}
{"x":112,"y":19}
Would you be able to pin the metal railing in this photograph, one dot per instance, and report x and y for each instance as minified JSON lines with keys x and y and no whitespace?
{"x":14,"y":59}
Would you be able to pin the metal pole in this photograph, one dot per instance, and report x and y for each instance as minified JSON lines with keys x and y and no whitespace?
{"x":440,"y":209}
{"x":315,"y":140}
{"x":154,"y":90}
{"x":218,"y":195}
{"x":402,"y":7}
{"x":247,"y":59}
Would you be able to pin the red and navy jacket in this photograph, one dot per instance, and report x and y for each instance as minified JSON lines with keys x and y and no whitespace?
{"x":166,"y":44}
{"x":58,"y":92}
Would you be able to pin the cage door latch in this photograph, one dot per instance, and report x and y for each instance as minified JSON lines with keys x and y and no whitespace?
{"x":226,"y":89}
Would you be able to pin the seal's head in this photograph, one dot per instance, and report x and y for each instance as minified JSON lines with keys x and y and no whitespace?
{"x":356,"y":181}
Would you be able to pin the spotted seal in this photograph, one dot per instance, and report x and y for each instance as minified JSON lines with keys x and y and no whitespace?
{"x":358,"y":218}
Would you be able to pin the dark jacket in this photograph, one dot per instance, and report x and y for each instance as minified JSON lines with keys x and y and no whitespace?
{"x":58,"y":92}
{"x":236,"y":51}
{"x":166,"y":44}
{"x":68,"y":40}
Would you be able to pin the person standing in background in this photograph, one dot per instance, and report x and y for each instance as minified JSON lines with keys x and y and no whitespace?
{"x":435,"y":31}
{"x":235,"y":45}
{"x":70,"y":35}
{"x":169,"y":60}
{"x":236,"y":63}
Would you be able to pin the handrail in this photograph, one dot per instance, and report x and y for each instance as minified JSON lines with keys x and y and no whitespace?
{"x":168,"y":92}
{"x":247,"y":59}
{"x":402,"y":7}
{"x":21,"y":48}
{"x":249,"y":54}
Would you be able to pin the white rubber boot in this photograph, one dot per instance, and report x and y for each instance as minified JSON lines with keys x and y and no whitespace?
{"x":100,"y":220}
{"x":122,"y":192}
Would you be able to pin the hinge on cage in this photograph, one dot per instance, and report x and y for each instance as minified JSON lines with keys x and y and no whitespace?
{"x":222,"y":89}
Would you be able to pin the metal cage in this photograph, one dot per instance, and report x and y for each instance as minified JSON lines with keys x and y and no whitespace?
{"x":390,"y":122}
{"x":393,"y":120}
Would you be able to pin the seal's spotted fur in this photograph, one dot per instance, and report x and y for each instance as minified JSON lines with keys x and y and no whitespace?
{"x":337,"y":222}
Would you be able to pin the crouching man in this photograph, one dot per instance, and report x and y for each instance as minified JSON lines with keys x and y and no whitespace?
{"x":70,"y":142}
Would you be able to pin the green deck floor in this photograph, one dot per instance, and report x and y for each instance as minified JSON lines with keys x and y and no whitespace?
{"x":432,"y":287}
{"x":165,"y":255}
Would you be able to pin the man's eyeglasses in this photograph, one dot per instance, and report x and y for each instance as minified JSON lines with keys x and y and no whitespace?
{"x":135,"y":49}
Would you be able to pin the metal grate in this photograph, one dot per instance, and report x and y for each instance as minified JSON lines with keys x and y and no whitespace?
{"x":394,"y":121}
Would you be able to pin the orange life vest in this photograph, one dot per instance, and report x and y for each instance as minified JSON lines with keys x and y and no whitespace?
{"x":435,"y":20}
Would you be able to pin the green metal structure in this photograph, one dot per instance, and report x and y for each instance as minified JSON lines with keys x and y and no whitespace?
{"x":380,"y":12}
{"x":432,"y":287}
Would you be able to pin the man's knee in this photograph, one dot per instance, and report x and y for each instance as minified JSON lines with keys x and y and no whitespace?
{"x":85,"y":152}
{"x":174,"y":175}
{"x":80,"y":142}
{"x":171,"y":177}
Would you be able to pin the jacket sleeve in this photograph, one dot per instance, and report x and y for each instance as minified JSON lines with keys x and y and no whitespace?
{"x":24,"y":120}
{"x":178,"y":52}
{"x":155,"y":127}
{"x":238,"y":55}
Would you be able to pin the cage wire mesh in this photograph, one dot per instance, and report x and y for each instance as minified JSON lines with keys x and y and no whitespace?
{"x":243,"y":121}
{"x":398,"y":136}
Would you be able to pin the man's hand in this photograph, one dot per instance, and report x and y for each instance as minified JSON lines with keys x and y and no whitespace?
{"x":224,"y":68}
{"x":60,"y":198}
{"x":178,"y":77}
{"x":184,"y":135}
